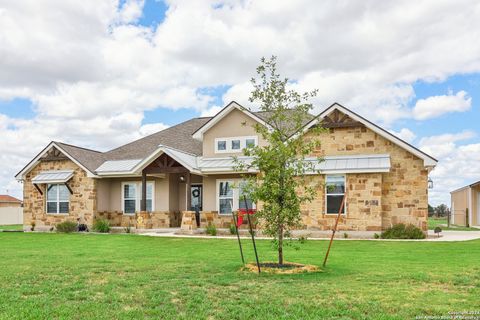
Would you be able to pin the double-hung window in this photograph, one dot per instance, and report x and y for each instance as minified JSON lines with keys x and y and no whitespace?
{"x":334,"y":193}
{"x":58,"y":199}
{"x":132,"y":195}
{"x":230,"y":196}
{"x":225,"y":197}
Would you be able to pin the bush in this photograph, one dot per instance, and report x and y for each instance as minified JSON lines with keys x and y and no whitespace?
{"x":402,"y":231}
{"x":376,"y":236}
{"x":211,"y":230}
{"x":102,"y":226}
{"x":32,"y":226}
{"x":67,"y":227}
{"x":233,"y":230}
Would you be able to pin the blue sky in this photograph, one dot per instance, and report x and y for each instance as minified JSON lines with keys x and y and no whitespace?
{"x":127,"y":69}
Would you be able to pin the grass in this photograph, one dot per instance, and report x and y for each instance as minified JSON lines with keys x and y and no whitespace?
{"x":76,"y":276}
{"x":442,"y":223}
{"x":11,"y":227}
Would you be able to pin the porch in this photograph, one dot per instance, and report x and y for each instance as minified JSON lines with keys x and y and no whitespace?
{"x":165,"y":195}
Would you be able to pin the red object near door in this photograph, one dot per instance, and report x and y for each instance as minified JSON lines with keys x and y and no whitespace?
{"x":241,"y":213}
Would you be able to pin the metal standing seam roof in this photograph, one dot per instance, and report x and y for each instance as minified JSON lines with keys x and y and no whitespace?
{"x":118,"y":165}
{"x":330,"y":164}
{"x":353,"y":164}
{"x":60,"y":176}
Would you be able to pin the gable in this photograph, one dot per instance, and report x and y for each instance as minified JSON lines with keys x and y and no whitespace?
{"x":232,"y":106}
{"x":52,"y":152}
{"x":338,"y":116}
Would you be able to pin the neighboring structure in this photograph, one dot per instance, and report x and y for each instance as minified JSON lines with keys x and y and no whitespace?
{"x":467,"y":197}
{"x":10,"y":210}
{"x":157,"y":181}
{"x":9,"y":201}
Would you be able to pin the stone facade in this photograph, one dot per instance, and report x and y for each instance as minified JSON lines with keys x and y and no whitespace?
{"x":375,"y":201}
{"x":83,"y":201}
{"x":139,"y":220}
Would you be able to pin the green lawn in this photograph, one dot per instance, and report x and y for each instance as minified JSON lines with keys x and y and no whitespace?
{"x":55,"y":276}
{"x":12,"y":227}
{"x":442,"y":222}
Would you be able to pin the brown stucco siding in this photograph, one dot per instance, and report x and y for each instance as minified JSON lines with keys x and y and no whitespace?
{"x":235,"y":124}
{"x":83,"y":201}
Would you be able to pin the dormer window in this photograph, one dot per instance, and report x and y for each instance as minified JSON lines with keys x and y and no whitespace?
{"x":234,"y":144}
{"x":221,"y":145}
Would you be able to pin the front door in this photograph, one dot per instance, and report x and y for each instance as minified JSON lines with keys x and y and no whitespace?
{"x":197,"y":193}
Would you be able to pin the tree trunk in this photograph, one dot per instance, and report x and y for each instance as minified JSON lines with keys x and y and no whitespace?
{"x":280,"y":245}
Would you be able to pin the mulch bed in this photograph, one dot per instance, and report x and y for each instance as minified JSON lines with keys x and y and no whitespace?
{"x":286,"y":268}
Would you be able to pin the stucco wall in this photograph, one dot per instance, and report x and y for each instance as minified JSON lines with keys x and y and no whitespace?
{"x":404,"y":196}
{"x":10,"y":204}
{"x":110,"y":193}
{"x":235,"y":124}
{"x":83,"y":201}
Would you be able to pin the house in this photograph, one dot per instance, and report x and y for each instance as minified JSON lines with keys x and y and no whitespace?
{"x":466,"y":205}
{"x":7,"y":201}
{"x":10,"y":210}
{"x":157,"y":181}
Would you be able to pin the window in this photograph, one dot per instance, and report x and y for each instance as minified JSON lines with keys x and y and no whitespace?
{"x":132,"y":195}
{"x":58,"y":198}
{"x":234,"y":144}
{"x":241,"y":198}
{"x":230,"y":196}
{"x":250,"y":142}
{"x":225,"y":197}
{"x":129,"y":198}
{"x":334,"y":192}
{"x":221,"y":145}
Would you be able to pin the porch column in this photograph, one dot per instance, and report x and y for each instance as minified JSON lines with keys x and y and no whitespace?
{"x":189,"y":192}
{"x":143,"y":203}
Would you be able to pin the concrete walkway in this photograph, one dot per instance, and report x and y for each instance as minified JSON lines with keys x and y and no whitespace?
{"x":445,"y":236}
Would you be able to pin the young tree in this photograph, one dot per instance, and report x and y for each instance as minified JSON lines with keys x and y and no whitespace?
{"x":282,"y":185}
{"x":441,"y":210}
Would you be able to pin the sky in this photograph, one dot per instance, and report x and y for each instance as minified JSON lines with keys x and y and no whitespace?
{"x":101,"y":73}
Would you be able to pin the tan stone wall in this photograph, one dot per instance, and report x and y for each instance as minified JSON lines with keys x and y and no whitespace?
{"x":403,"y":198}
{"x":83,"y":203}
{"x":140,"y":220}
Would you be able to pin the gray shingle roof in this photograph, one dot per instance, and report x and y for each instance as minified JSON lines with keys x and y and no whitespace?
{"x":90,"y":159}
{"x":178,"y":137}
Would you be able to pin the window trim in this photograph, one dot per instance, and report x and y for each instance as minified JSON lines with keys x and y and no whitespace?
{"x":235,"y":197}
{"x":228,"y":143}
{"x":138,"y":195}
{"x":336,"y":194}
{"x":58,"y":213}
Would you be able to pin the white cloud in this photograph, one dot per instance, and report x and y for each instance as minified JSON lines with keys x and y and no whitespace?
{"x":437,"y":105}
{"x":210,"y":112}
{"x":150,"y":128}
{"x":405,"y":134}
{"x":457,"y":166}
{"x":87,"y":67}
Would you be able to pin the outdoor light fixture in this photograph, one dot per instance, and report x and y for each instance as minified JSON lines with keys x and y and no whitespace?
{"x":430,"y":183}
{"x":182,"y":179}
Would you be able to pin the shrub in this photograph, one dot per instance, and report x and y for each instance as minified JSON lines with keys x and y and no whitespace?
{"x":345,"y":235}
{"x":128,"y":228}
{"x":211,"y":230}
{"x":402,"y":231}
{"x":233,"y":230}
{"x":67,"y":227}
{"x":33,"y":226}
{"x":102,"y":226}
{"x":376,"y":236}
